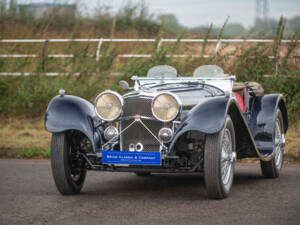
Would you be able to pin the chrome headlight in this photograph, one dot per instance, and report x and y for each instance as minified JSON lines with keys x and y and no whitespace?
{"x":108,"y":105}
{"x":166,"y":106}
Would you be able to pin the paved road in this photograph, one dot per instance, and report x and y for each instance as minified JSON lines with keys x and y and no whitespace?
{"x":28,"y":196}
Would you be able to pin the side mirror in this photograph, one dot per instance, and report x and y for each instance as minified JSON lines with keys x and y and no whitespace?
{"x":124,"y":85}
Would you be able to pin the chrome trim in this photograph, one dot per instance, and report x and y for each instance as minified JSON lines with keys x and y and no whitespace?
{"x":141,"y":94}
{"x":140,"y":145}
{"x":118,"y":96}
{"x":176,"y":122}
{"x":214,"y":81}
{"x":160,"y":142}
{"x":131,"y":147}
{"x":225,"y":77}
{"x":111,"y":140}
{"x":170,"y":130}
{"x":110,"y":127}
{"x":62,"y":92}
{"x":162,"y":146}
{"x":174,"y":96}
{"x":142,"y":117}
{"x":134,"y":94}
{"x":283,"y":141}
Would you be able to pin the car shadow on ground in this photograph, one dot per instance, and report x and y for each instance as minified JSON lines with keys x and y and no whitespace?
{"x":165,"y":186}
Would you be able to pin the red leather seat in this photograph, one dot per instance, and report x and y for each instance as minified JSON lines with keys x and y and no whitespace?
{"x":241,"y":101}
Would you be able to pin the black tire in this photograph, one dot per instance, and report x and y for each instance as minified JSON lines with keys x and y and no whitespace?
{"x":214,"y":183}
{"x":61,"y":163}
{"x":269,"y":168}
{"x":143,"y":174}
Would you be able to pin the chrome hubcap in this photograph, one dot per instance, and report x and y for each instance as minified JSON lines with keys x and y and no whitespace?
{"x":279,"y":143}
{"x":76,"y":165}
{"x":75,"y":177}
{"x":228,"y":157}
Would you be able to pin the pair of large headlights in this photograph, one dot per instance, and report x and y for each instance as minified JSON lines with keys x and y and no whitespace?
{"x":165,"y":106}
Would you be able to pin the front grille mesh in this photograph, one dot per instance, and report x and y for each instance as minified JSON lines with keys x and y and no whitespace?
{"x":137,"y":106}
{"x":137,"y":133}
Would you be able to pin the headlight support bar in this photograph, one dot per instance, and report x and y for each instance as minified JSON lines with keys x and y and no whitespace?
{"x":144,"y":125}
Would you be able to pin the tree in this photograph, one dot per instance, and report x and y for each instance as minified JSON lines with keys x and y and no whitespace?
{"x":2,"y":8}
{"x":294,"y":24}
{"x":234,"y":30}
{"x":171,"y":22}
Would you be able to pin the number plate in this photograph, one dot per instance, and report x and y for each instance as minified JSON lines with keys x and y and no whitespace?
{"x":131,"y":158}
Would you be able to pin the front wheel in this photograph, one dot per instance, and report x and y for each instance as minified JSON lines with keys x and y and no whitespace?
{"x":271,"y":169}
{"x":219,"y":161}
{"x":68,"y":167}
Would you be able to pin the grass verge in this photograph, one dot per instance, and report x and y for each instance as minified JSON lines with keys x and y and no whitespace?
{"x":33,"y":152}
{"x":24,"y":138}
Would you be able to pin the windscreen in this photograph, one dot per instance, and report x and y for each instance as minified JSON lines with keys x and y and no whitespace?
{"x":162,"y":71}
{"x":209,"y":71}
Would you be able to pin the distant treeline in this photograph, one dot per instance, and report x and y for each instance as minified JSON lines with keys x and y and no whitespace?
{"x":133,"y":20}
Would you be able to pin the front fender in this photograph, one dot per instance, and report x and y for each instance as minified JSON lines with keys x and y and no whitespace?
{"x":209,"y":118}
{"x":71,"y":113}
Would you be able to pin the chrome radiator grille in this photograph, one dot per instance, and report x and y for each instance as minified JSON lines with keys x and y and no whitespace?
{"x":137,"y":133}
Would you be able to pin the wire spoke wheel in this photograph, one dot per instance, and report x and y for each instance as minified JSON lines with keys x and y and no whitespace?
{"x":226,"y":156}
{"x":271,"y":168}
{"x":219,"y":161}
{"x":278,"y":144}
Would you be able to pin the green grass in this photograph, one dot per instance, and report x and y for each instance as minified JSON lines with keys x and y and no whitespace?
{"x":34,"y":152}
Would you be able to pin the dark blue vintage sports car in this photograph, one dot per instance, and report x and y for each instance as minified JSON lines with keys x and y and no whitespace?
{"x":168,"y":124}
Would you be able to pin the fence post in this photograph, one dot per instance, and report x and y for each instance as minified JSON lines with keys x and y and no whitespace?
{"x":218,"y":45}
{"x":44,"y":54}
{"x":99,"y":49}
{"x":159,"y":44}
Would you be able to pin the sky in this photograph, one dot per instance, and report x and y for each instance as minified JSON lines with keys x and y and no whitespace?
{"x":192,"y":13}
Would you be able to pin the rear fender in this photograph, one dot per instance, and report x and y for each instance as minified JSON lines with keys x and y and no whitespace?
{"x":263,"y":120}
{"x":71,"y":113}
